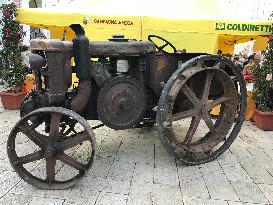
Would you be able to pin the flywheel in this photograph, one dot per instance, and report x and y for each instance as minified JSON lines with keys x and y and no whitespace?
{"x":121,"y":103}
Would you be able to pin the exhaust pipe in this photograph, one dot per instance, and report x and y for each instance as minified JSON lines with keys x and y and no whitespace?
{"x":82,"y":64}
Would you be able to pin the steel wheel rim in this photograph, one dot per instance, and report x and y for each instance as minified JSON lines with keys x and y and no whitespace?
{"x":48,"y":183}
{"x":161,"y":117}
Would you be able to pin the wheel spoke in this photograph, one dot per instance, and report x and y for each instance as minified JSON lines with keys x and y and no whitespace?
{"x":29,"y":158}
{"x":207,"y":85}
{"x":62,"y":129}
{"x":69,"y":130}
{"x":79,"y":138}
{"x":72,"y":162}
{"x":184,"y":114}
{"x":192,"y":129}
{"x":33,"y":135}
{"x":50,"y":169}
{"x":190,"y":95}
{"x":207,"y":118}
{"x":34,"y":125}
{"x":219,"y":101}
{"x":54,"y":125}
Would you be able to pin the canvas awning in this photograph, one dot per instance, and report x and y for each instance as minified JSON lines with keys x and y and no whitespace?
{"x":194,"y":35}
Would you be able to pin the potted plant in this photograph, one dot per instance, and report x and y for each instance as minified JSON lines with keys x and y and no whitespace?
{"x":263,"y":90}
{"x":11,"y":66}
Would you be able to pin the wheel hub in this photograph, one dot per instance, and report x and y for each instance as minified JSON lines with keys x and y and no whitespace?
{"x":203,"y":109}
{"x":50,"y":152}
{"x":125,"y":104}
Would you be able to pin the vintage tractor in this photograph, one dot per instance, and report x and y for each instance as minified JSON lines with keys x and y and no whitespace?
{"x":125,"y":84}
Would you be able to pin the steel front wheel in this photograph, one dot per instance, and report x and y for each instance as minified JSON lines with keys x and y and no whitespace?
{"x":186,"y":127}
{"x":51,"y":148}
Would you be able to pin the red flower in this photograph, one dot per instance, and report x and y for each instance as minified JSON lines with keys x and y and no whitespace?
{"x":249,"y":75}
{"x":24,"y":88}
{"x":270,"y":38}
{"x":5,"y":13}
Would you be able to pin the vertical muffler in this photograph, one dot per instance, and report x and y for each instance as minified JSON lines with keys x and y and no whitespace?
{"x":82,"y":64}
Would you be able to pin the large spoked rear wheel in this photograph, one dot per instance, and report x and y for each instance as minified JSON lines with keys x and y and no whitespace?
{"x":186,"y":127}
{"x":51,"y":148}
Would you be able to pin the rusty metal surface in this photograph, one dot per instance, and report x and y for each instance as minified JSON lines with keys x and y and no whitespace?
{"x":161,"y":68}
{"x":108,"y":48}
{"x":36,"y":61}
{"x":52,"y":147}
{"x":100,"y":72}
{"x":97,"y":48}
{"x":121,"y":103}
{"x":222,"y":132}
{"x":50,"y":45}
{"x":58,"y":74}
{"x":80,"y":100}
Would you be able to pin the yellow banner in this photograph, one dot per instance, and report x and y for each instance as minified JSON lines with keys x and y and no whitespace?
{"x":209,"y":26}
{"x":96,"y":27}
{"x":193,"y":35}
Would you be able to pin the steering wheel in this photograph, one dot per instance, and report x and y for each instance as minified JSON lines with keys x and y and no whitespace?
{"x":161,"y":48}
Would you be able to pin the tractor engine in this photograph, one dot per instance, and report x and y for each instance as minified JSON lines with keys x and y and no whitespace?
{"x":112,"y":77}
{"x":122,"y":99}
{"x":50,"y":62}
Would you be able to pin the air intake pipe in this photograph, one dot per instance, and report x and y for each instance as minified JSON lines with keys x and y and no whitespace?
{"x":82,"y":64}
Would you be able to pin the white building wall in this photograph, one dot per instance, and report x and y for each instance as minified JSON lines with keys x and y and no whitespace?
{"x":248,"y":9}
{"x":27,"y":29}
{"x":57,"y":3}
{"x":25,"y":4}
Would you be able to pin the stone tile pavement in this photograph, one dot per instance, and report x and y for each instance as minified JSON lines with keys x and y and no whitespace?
{"x":132,"y":167}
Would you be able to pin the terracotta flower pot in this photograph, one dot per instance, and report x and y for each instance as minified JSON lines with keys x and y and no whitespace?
{"x":263,"y":120}
{"x":12,"y":101}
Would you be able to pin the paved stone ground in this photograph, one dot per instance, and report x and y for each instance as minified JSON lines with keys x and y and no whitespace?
{"x":132,"y":167}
